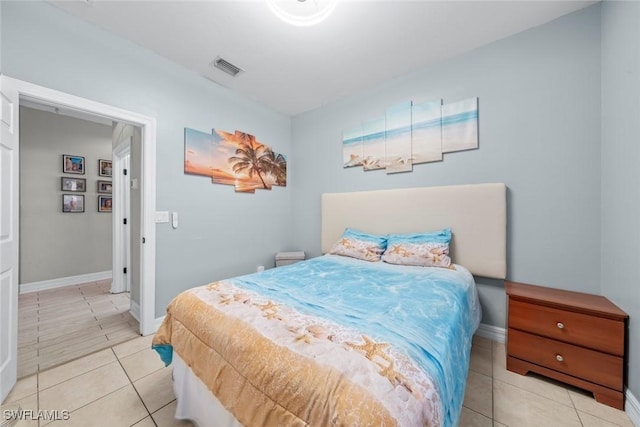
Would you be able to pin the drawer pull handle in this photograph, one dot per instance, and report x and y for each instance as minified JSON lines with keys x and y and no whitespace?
{"x":560,"y":325}
{"x":559,"y":358}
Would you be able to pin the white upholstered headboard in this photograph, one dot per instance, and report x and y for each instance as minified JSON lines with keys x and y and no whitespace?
{"x":476,"y":214}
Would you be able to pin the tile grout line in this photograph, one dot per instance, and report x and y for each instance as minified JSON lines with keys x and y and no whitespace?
{"x":493,"y":410}
{"x":134,"y":387}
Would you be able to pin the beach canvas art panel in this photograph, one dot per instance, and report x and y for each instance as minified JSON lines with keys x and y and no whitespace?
{"x":373,"y":144}
{"x":198,"y":152}
{"x":460,"y":125}
{"x":426,"y":132}
{"x":352,"y":147}
{"x":279,"y":171}
{"x":398,"y":138}
{"x":247,"y":164}
{"x":236,"y":159}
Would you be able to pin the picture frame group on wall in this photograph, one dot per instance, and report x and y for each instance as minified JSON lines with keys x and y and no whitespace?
{"x":73,"y":203}
{"x":105,"y":187}
{"x":105,"y":203}
{"x":105,"y":167}
{"x":78,"y":185}
{"x":72,"y":164}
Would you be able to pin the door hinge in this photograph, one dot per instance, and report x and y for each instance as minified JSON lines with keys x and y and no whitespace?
{"x":124,"y":221}
{"x":143,"y":240}
{"x":125,"y":270}
{"x":124,"y":171}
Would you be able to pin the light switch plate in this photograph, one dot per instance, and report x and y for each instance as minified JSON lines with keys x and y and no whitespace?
{"x":162,"y":217}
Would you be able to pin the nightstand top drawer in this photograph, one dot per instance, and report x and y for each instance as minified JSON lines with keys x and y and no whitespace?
{"x":575,"y":328}
{"x":575,"y":301}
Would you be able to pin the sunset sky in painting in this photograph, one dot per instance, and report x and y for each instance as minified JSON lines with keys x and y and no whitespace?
{"x":209,"y":154}
{"x":198,"y":152}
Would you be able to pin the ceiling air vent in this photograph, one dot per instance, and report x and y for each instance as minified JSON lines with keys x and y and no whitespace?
{"x":227,"y":66}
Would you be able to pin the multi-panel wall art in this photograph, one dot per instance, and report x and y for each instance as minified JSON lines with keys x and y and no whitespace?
{"x":236,"y":159}
{"x":410,"y":134}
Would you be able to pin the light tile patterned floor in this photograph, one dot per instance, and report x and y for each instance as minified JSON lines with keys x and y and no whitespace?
{"x":127,"y":385}
{"x":58,"y":325}
{"x":497,"y":397}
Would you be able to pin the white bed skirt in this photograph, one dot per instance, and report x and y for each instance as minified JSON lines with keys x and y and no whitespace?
{"x":194,"y":400}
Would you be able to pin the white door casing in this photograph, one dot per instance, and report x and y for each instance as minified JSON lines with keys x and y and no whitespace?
{"x":9,"y":216}
{"x":147,"y":184}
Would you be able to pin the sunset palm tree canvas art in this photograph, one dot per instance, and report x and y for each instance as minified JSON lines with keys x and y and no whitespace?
{"x":236,"y":159}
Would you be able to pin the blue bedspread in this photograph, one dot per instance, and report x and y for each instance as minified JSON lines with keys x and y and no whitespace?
{"x":429,"y":313}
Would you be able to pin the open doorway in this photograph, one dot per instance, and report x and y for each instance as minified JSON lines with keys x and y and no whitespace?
{"x":12,"y":91}
{"x":75,"y":296}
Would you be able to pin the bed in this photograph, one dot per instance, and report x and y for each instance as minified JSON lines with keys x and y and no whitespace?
{"x":337,"y":340}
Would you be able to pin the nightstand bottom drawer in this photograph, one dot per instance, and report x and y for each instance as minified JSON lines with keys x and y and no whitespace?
{"x":600,"y":368}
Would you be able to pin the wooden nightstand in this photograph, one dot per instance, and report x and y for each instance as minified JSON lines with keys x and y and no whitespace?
{"x":572,"y":337}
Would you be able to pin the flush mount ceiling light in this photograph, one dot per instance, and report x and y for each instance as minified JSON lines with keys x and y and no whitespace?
{"x":302,"y":13}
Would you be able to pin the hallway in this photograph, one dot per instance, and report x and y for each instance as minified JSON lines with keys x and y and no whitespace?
{"x":59,"y":325}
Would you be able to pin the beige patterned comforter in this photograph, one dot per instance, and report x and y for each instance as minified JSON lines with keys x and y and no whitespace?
{"x":271,"y":366}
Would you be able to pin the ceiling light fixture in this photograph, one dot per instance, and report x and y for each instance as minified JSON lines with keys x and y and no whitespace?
{"x":302,"y":13}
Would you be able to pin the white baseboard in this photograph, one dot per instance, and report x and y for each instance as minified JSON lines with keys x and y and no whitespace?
{"x":135,"y":310}
{"x":157,"y":323}
{"x":63,"y":281}
{"x":493,"y":333}
{"x":632,"y":408}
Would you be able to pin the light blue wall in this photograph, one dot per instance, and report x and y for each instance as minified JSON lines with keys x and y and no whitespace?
{"x":221,"y":233}
{"x":620,"y":170}
{"x":539,"y":98}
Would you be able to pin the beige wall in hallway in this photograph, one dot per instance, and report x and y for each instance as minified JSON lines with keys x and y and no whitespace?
{"x":54,"y":244}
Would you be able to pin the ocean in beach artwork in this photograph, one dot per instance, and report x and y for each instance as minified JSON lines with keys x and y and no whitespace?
{"x":373,"y":144}
{"x":352,"y":147}
{"x":398,"y":138}
{"x":411,"y":134}
{"x":236,"y":159}
{"x":426,"y":131}
{"x":460,"y":125}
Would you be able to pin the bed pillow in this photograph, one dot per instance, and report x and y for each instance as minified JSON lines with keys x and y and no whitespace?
{"x":423,"y":249}
{"x":357,"y":244}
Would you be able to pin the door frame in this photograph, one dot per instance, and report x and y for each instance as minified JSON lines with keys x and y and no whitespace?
{"x":148,"y":322}
{"x":121,"y":282}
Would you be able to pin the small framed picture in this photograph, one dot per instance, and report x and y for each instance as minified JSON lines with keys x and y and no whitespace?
{"x":104,"y":203}
{"x":73,"y":184}
{"x":72,"y":203}
{"x":72,"y":164}
{"x":104,"y":187}
{"x":104,"y":167}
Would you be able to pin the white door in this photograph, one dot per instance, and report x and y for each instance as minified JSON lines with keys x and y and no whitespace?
{"x":121,"y":218}
{"x":8,"y":239}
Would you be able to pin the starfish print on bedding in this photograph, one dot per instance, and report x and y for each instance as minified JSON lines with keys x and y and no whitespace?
{"x":214,"y":286}
{"x":270,"y":306}
{"x":304,"y":337}
{"x":371,"y":348}
{"x":225,"y":299}
{"x":394,"y":377}
{"x":270,"y":310}
{"x":399,"y":250}
{"x":346,"y":243}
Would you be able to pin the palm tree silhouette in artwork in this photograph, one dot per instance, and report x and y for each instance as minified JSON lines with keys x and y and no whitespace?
{"x":251,"y":157}
{"x":277,"y":167}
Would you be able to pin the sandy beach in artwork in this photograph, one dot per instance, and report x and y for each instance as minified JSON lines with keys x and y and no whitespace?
{"x":460,"y":125}
{"x":427,"y":132}
{"x":373,"y":144}
{"x":398,"y":138}
{"x":352,"y":148}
